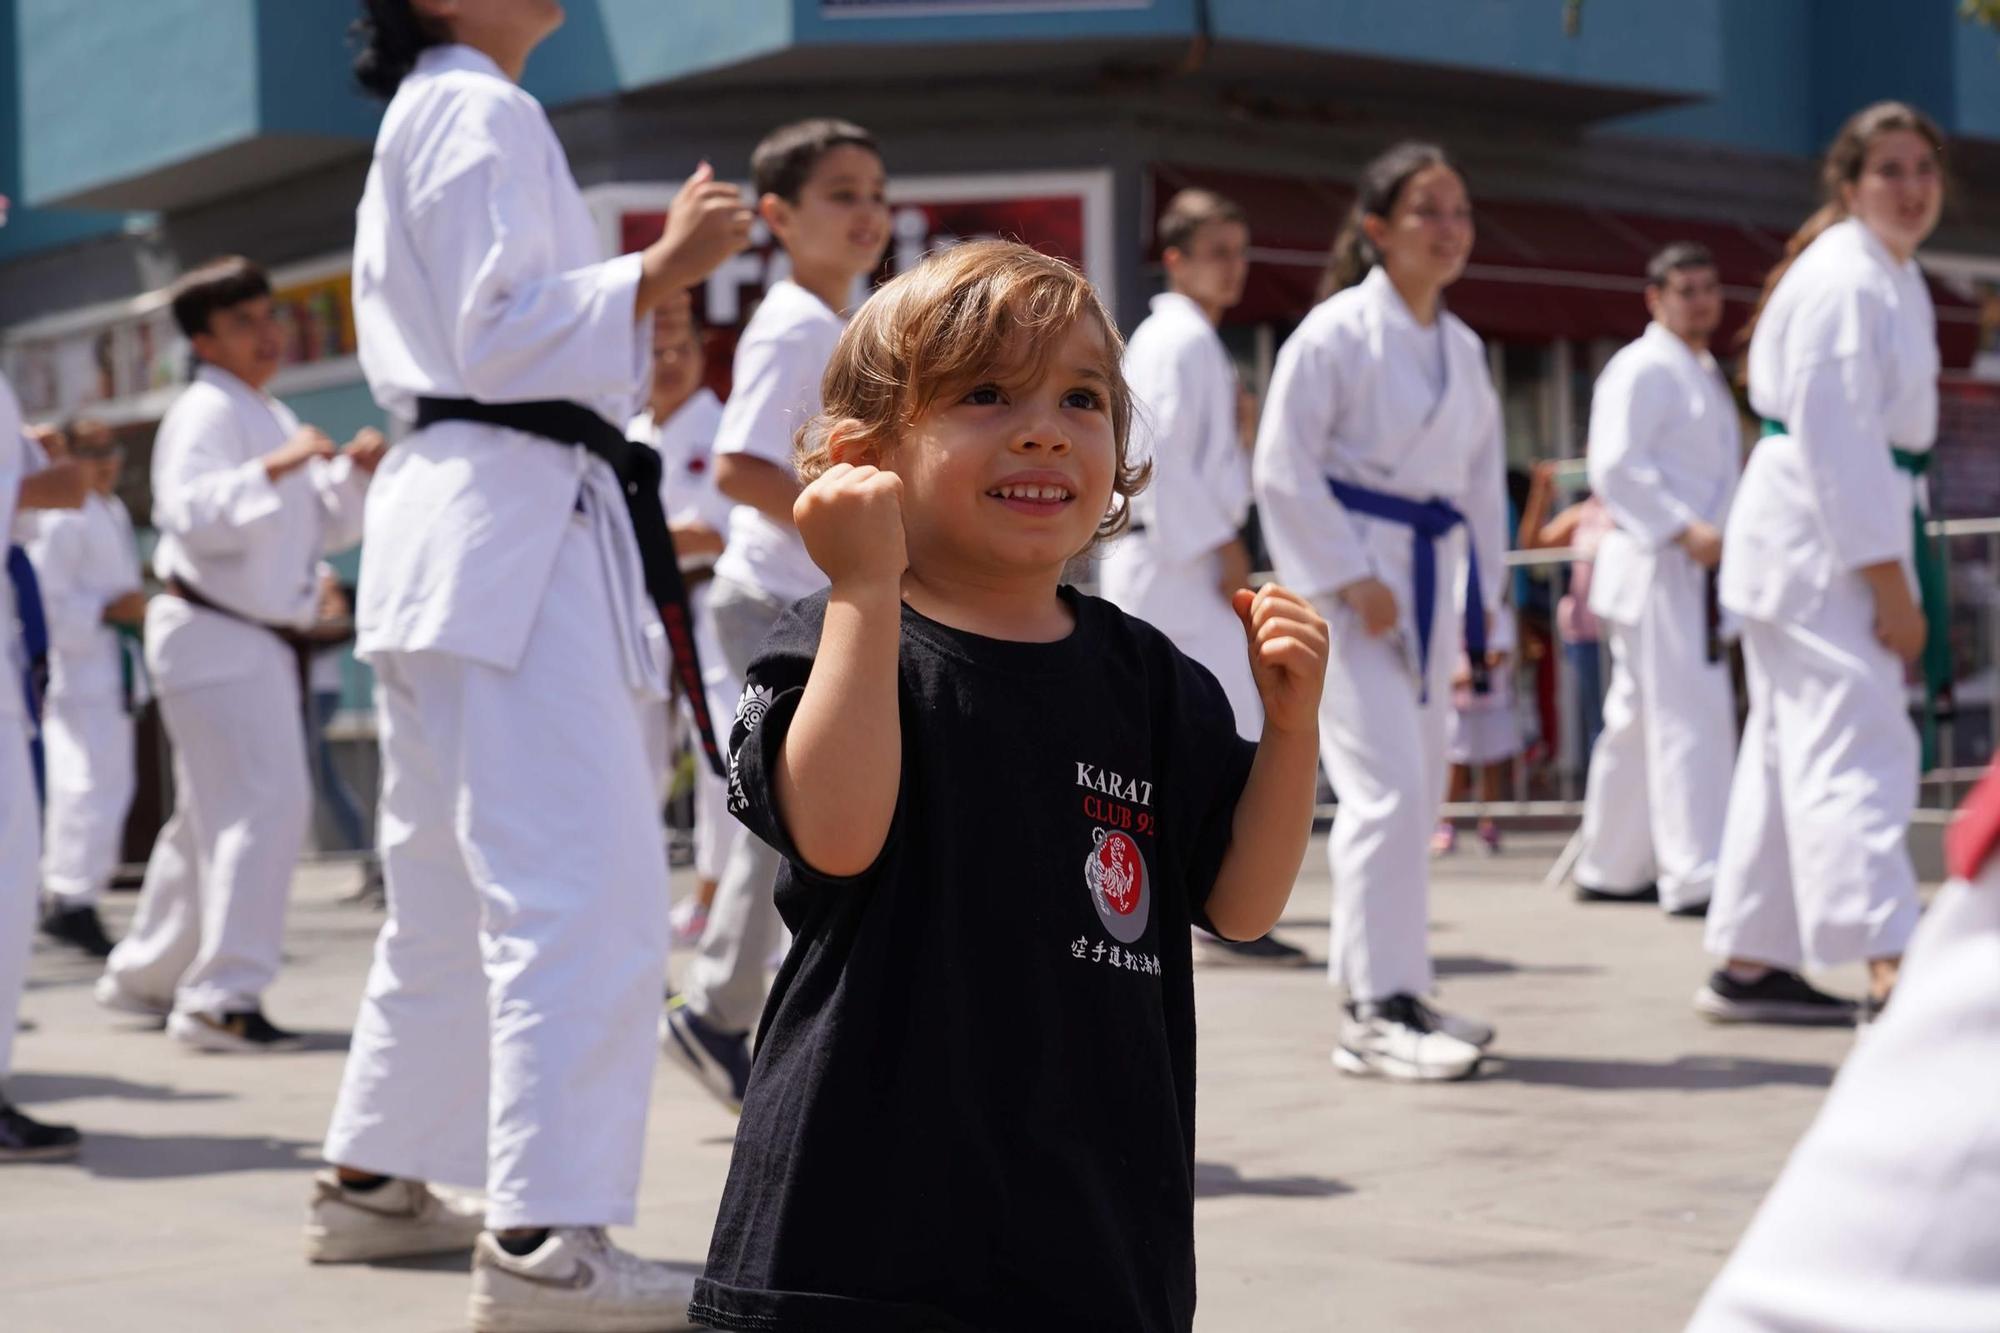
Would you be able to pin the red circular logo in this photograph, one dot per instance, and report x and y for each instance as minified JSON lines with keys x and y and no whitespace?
{"x":1120,"y":873}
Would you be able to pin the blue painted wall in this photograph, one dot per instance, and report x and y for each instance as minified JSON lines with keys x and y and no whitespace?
{"x":1766,"y":99}
{"x":872,"y":21}
{"x":1672,"y":46}
{"x":31,"y":229}
{"x":607,"y":46}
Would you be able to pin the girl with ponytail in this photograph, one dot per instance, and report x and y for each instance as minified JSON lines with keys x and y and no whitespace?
{"x":1379,"y":475}
{"x":1820,"y":559}
{"x":509,"y":609}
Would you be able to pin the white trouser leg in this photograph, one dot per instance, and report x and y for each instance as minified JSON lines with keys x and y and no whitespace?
{"x":1754,"y":914}
{"x":211,"y":920}
{"x":1888,"y":1214}
{"x":1384,"y":752}
{"x":20,"y":849}
{"x":1617,"y":847}
{"x":1690,"y":734}
{"x":413,"y":1096}
{"x":88,"y":756}
{"x":551,"y":796}
{"x":725,"y":981}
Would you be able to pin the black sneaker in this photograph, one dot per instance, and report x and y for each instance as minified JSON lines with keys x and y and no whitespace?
{"x":1264,"y":951}
{"x":1692,"y":912}
{"x":79,"y":928}
{"x":25,"y":1139}
{"x":1775,"y":997}
{"x":719,"y":1061}
{"x":1645,"y":893}
{"x":247,"y":1031}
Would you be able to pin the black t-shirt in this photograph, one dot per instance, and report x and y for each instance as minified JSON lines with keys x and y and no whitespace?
{"x":972,"y":1105}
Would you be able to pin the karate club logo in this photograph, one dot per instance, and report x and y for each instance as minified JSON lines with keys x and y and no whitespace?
{"x":1115,"y":872}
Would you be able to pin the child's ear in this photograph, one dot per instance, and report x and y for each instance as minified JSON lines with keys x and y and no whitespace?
{"x":848,"y":442}
{"x":776,"y":213}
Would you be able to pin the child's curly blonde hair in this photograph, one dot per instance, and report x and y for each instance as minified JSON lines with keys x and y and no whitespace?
{"x":977,"y":312}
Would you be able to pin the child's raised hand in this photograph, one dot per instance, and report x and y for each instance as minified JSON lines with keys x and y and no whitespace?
{"x":1288,"y":647}
{"x":851,"y":519}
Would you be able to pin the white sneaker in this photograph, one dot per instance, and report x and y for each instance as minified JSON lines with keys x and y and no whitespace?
{"x":399,"y":1220}
{"x":114,"y":994}
{"x":1396,"y":1038}
{"x":577,"y":1281}
{"x":1468,"y":1030}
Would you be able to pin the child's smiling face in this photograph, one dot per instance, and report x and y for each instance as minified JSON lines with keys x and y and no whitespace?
{"x":1013,"y":476}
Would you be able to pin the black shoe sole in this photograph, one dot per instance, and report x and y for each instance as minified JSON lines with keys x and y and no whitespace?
{"x":1586,"y":893}
{"x":55,"y":1152}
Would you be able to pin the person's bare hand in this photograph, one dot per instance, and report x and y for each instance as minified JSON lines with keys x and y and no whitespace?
{"x":128,"y":609}
{"x":1371,"y":600}
{"x":306,"y":444}
{"x":708,"y":222}
{"x":851,"y":519}
{"x":367,"y":449}
{"x":1703,"y":542}
{"x":1288,"y":646}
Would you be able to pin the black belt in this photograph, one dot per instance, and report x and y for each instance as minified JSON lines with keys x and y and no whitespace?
{"x":1711,"y":613}
{"x":637,"y":467}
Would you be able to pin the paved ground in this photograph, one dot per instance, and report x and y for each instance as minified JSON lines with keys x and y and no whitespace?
{"x":1593,"y":1179}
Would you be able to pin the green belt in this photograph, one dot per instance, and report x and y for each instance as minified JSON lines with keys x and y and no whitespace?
{"x":1934,"y":595}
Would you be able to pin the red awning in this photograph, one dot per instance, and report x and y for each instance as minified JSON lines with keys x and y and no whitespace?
{"x":1539,"y":271}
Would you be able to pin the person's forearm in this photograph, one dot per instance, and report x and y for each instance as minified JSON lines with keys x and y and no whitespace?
{"x":841,"y":764}
{"x":1885,"y":580}
{"x":764,"y":486}
{"x":1267,"y":841}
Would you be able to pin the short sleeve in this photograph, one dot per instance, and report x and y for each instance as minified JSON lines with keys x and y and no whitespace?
{"x":1211,"y":763}
{"x":773,"y":687}
{"x":775,"y":391}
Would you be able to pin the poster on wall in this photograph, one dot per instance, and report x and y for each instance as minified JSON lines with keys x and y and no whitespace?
{"x":1062,"y":213}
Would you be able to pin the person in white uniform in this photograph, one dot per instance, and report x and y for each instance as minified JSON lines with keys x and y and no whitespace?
{"x":1818,"y":564}
{"x":22,"y":1137}
{"x":1380,"y":481}
{"x":1665,"y":449}
{"x":505,"y":1038}
{"x":1184,"y":554}
{"x":821,"y":189}
{"x":1887,"y":1216}
{"x":93,"y":599}
{"x":681,"y":419}
{"x":246,"y":500}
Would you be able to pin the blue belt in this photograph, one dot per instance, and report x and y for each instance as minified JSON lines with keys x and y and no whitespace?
{"x":1427,"y":521}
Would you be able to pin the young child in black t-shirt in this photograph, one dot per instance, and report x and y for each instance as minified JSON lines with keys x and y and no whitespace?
{"x":1001,"y":805}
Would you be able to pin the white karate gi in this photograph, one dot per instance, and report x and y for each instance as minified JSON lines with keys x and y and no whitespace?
{"x":87,"y":559}
{"x":1365,"y":394}
{"x":1665,"y":450}
{"x":503,"y":608}
{"x":1887,"y":1216}
{"x":686,"y":441}
{"x":211,"y":917}
{"x":779,"y":363}
{"x":1814,"y":866}
{"x":20,"y":822}
{"x":1165,"y":570}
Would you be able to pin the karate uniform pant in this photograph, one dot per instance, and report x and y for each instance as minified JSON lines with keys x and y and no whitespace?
{"x":1814,"y":867}
{"x":1658,"y":792}
{"x":88,"y":756}
{"x":1888,"y":1214}
{"x":210,"y":925}
{"x":725,"y":981}
{"x":1384,"y":752}
{"x":509,"y":1029}
{"x":1184,"y":603}
{"x":20,"y":849}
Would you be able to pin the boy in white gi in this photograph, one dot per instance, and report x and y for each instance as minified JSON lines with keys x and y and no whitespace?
{"x":1184,"y":555}
{"x":1380,"y":476}
{"x":1665,"y":450}
{"x":22,"y":1138}
{"x":1887,"y":1216}
{"x":820,"y":187}
{"x":1817,"y":561}
{"x":88,"y":563}
{"x":680,"y":421}
{"x":247,"y":500}
{"x":507,"y":1036}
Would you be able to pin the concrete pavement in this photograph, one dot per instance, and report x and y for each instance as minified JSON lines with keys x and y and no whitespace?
{"x":1593,"y":1178}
